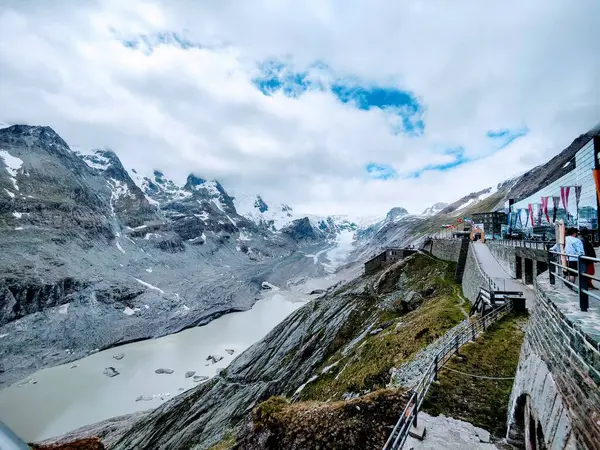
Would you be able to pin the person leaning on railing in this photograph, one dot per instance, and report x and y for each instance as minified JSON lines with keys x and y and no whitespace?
{"x":573,"y":248}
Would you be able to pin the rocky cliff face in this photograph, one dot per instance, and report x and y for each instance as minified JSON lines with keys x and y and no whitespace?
{"x":93,"y":255}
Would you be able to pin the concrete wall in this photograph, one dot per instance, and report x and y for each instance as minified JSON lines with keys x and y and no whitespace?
{"x":446,"y":249}
{"x":473,"y":278}
{"x":449,"y":250}
{"x":559,"y":372}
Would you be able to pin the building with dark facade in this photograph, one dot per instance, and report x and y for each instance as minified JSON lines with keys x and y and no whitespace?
{"x":492,"y":222}
{"x":387,"y":257}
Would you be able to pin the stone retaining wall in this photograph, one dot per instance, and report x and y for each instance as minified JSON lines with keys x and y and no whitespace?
{"x":559,"y":375}
{"x":446,"y":249}
{"x":449,"y":250}
{"x":473,"y":278}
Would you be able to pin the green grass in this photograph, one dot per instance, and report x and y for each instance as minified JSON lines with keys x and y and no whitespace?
{"x":367,"y":366}
{"x":481,"y":402}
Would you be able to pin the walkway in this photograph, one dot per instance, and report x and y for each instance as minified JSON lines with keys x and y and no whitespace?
{"x":450,"y":434}
{"x":503,"y":280}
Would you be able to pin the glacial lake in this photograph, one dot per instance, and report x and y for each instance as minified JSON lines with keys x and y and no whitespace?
{"x":72,"y":395}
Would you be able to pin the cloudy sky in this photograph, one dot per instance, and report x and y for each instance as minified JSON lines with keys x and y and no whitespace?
{"x":330,"y":106}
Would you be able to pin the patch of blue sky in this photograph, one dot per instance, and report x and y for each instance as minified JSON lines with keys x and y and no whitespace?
{"x":278,"y":76}
{"x":402,"y":104}
{"x":381,"y":171}
{"x":505,"y":136}
{"x":459,"y":158}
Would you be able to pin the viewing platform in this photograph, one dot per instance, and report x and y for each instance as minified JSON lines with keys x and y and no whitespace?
{"x":566,"y":302}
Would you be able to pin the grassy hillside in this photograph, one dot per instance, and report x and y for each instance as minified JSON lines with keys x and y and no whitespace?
{"x":481,"y":401}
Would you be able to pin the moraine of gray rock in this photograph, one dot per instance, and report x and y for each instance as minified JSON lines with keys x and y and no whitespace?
{"x":229,"y":351}
{"x":119,"y":356}
{"x":190,"y":373}
{"x":214,"y":358}
{"x":199,"y":378}
{"x":110,"y":372}
{"x":164,"y":371}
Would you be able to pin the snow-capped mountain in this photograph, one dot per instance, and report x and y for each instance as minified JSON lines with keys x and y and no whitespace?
{"x":434,"y":209}
{"x":470,"y":200}
{"x":253,"y":207}
{"x":279,"y":217}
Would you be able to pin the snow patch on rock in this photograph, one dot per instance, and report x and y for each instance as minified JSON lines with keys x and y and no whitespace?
{"x":148,"y":285}
{"x":130,"y":312}
{"x":13,"y":165}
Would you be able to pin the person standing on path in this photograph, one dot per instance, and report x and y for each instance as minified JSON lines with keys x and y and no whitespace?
{"x":573,"y":248}
{"x":588,"y":249}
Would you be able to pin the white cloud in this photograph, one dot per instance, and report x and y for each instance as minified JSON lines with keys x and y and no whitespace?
{"x":475,"y":66}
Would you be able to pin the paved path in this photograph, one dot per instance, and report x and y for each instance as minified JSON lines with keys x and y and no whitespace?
{"x":503,"y":280}
{"x":450,"y":434}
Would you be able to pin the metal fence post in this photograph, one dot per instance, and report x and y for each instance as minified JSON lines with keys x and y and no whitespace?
{"x":435,"y":368}
{"x":583,"y":284}
{"x":551,"y":267}
{"x":456,"y":343}
{"x":473,"y":332}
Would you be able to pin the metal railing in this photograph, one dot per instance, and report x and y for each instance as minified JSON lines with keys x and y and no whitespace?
{"x":538,"y":245}
{"x":581,"y":286}
{"x":469,"y":333}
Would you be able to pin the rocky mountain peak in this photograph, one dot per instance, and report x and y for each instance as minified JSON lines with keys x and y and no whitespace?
{"x":396,"y":213}
{"x":193,"y":182}
{"x":302,"y":230}
{"x":260,"y":204}
{"x":44,"y":136}
{"x":434,"y":209}
{"x":107,"y":161}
